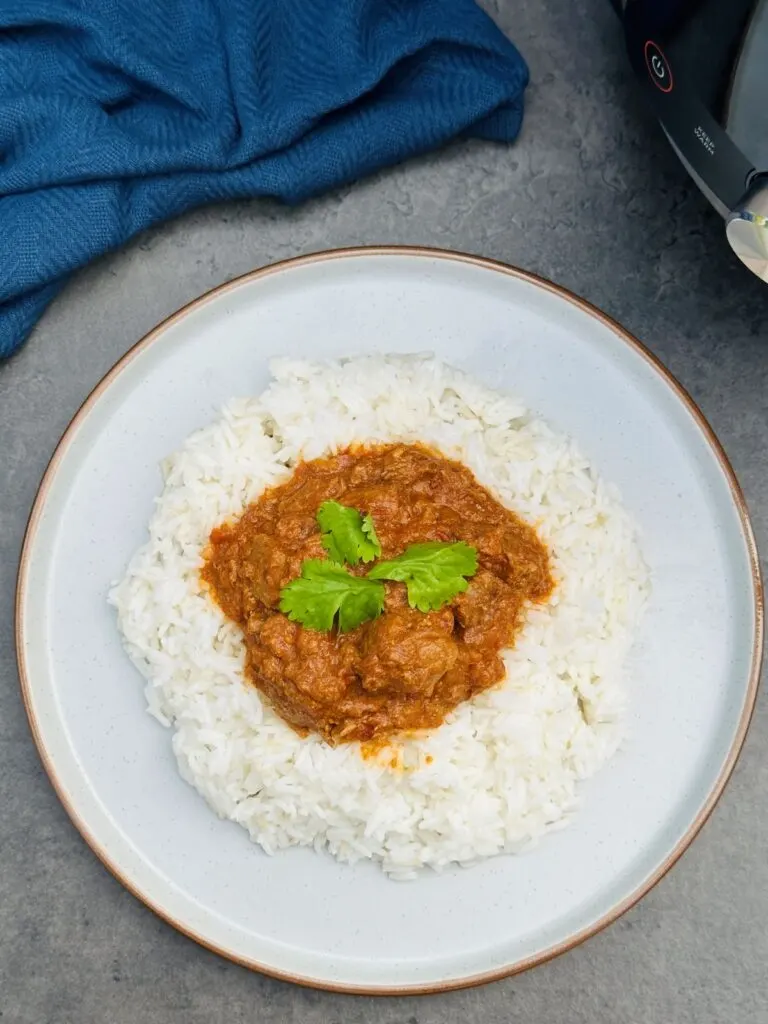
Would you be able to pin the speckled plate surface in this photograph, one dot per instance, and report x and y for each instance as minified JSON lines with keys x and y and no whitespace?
{"x":299,"y":915}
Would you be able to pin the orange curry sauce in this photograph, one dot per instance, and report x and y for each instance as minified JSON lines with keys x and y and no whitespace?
{"x":405,"y":670}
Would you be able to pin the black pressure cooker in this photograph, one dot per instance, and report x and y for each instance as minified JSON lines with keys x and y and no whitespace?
{"x":703,"y":65}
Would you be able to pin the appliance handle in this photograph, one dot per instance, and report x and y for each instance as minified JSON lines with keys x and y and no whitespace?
{"x":707,"y":148}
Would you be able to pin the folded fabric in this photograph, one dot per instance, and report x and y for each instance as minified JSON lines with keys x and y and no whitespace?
{"x":114,"y":116}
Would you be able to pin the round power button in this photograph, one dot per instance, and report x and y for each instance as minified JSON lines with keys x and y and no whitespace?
{"x":658,"y":66}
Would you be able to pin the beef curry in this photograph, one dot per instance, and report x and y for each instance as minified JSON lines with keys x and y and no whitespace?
{"x":406,"y":669}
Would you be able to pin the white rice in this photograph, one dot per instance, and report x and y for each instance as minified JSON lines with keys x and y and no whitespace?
{"x":505,"y":766}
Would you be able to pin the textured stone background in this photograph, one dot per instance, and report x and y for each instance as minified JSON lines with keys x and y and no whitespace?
{"x":589,"y":196}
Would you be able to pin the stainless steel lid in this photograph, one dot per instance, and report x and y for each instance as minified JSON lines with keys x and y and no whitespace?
{"x":746,"y":115}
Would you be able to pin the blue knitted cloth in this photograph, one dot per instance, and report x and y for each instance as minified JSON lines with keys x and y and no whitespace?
{"x":116,"y":114}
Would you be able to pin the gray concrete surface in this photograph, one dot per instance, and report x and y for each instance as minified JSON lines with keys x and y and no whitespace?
{"x":591,"y":197}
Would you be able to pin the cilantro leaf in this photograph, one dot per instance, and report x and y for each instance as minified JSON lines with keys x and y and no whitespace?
{"x":370,"y":532}
{"x":434,"y":573}
{"x":325,"y":590}
{"x":347,"y":536}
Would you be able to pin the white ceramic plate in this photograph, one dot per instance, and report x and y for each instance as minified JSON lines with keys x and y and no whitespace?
{"x":300,"y":915}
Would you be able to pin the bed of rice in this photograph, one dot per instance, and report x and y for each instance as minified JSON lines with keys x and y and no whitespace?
{"x":505,"y":767}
